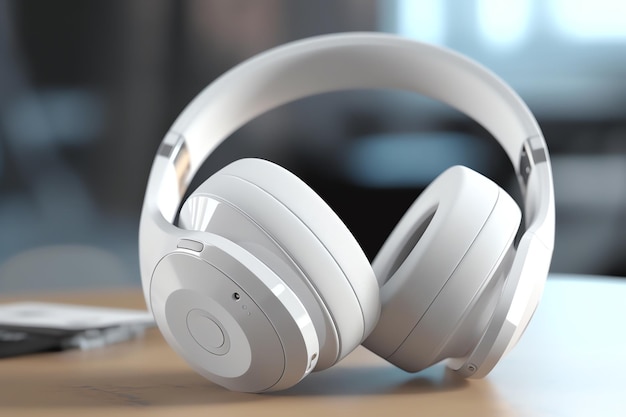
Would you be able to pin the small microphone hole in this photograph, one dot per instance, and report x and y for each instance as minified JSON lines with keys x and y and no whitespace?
{"x":236,"y":296}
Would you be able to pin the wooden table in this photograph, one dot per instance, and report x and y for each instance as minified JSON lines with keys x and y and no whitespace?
{"x":571,"y":362}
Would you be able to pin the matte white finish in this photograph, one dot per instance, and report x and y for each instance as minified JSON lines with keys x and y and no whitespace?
{"x":351,"y":61}
{"x":339,"y":62}
{"x":269,"y":339}
{"x":428,"y":287}
{"x":522,"y":290}
{"x":231,"y":223}
{"x":299,"y":225}
{"x":314,"y":214}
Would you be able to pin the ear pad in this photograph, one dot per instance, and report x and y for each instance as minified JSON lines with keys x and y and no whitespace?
{"x":439,"y":269}
{"x":277,"y":217}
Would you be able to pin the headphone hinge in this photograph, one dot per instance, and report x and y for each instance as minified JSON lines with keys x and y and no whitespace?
{"x":533,"y":152}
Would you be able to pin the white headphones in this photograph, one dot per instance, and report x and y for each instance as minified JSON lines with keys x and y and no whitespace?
{"x":260,"y":283}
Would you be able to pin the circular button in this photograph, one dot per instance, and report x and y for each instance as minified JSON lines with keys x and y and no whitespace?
{"x":206,"y":331}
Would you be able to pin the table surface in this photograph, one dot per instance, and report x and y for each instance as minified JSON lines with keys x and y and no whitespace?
{"x":570,"y":362}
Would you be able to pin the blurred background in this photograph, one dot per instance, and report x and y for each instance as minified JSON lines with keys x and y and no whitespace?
{"x":88,"y":89}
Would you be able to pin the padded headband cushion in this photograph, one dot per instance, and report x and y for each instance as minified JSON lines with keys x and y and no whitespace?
{"x":308,"y":231}
{"x":353,"y":61}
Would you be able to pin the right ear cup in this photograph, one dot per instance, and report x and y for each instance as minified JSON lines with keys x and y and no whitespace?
{"x":274,"y":215}
{"x":441,"y":270}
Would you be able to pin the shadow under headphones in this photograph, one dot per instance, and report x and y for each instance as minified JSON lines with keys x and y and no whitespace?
{"x":260,"y":283}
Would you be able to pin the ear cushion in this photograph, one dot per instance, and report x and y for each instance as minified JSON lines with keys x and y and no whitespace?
{"x":437,"y":262}
{"x":312,"y":235}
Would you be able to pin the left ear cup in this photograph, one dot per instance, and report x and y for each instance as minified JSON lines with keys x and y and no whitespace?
{"x":232,"y":318}
{"x":277,"y":217}
{"x":441,"y":269}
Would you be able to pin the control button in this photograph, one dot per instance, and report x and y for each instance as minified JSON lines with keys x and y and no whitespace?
{"x":191,"y":245}
{"x":206,"y":332}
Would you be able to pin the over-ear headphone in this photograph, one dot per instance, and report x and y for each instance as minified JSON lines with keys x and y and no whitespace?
{"x":260,"y":283}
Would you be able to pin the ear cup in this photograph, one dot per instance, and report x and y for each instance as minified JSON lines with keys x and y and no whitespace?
{"x":286,"y":220}
{"x":232,"y":318}
{"x":439,"y":269}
